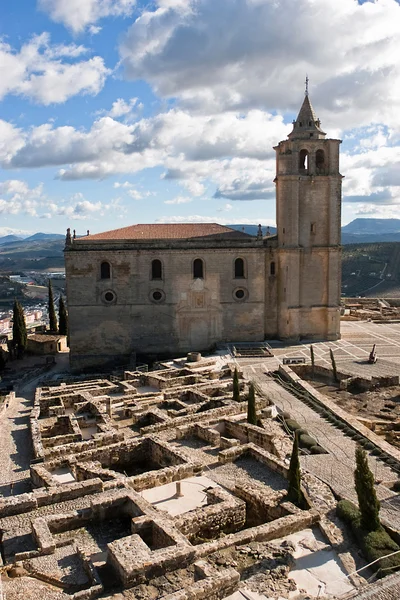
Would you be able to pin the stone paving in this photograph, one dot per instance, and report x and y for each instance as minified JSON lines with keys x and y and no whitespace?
{"x":352,"y":350}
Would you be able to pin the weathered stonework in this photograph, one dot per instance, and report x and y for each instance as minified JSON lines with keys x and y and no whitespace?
{"x":287,"y":286}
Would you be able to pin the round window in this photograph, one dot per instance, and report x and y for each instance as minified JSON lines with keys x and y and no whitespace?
{"x":109,"y":297}
{"x":240,"y":294}
{"x":157,"y":296}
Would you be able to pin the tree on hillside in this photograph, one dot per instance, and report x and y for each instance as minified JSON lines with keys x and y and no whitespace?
{"x":236,"y":387}
{"x":62,"y":317}
{"x":367,"y":500}
{"x":251,"y":405}
{"x":52,"y":312}
{"x":295,"y":494}
{"x":20,"y":338}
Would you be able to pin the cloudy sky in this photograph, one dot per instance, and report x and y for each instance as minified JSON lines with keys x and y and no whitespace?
{"x":114,"y":112}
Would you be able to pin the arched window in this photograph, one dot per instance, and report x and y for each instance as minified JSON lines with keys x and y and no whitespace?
{"x":320,"y":160}
{"x":105,"y":270}
{"x":303,"y":160}
{"x":198,"y":269}
{"x":239,"y":268}
{"x":272,"y":268}
{"x":156,"y":269}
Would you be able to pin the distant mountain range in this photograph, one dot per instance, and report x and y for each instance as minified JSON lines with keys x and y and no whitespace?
{"x":36,"y":237}
{"x":359,"y":231}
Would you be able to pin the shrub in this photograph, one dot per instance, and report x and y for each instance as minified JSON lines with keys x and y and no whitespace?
{"x":369,"y":446}
{"x":374,"y":544}
{"x":317,"y":450}
{"x":306,"y":441}
{"x":396,"y":486}
{"x":292,"y":425}
{"x":285,"y":415}
{"x":302,"y":432}
{"x":348,"y":512}
{"x":379,"y":543}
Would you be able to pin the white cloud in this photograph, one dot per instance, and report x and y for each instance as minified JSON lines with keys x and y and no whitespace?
{"x":11,"y":231}
{"x":216,"y":219}
{"x":45,"y":73}
{"x":79,"y":14}
{"x":194,"y":187}
{"x":376,"y":212}
{"x":94,"y":29}
{"x":179,"y":200}
{"x":121,"y":108}
{"x":216,"y":56}
{"x":16,"y":197}
{"x":125,"y":185}
{"x":135,"y":194}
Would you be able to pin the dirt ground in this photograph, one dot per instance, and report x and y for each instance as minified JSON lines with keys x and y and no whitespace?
{"x":381,"y":404}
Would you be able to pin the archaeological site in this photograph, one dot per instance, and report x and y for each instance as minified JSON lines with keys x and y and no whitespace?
{"x":155,"y":484}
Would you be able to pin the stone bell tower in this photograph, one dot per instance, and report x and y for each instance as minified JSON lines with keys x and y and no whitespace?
{"x":308,"y":213}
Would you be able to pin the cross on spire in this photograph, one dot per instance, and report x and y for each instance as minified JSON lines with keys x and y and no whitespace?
{"x":306,"y":91}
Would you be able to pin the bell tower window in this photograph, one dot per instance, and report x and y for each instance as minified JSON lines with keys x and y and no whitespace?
{"x":303,"y":160}
{"x":320,"y":160}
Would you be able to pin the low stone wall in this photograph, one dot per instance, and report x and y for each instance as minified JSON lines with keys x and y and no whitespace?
{"x":263,"y":533}
{"x":152,"y":479}
{"x":7,"y":401}
{"x":100,"y":441}
{"x":215,"y":587}
{"x":223,"y":513}
{"x":245,"y":432}
{"x":345,"y":379}
{"x":262,"y":456}
{"x":211,"y":416}
{"x":16,"y":505}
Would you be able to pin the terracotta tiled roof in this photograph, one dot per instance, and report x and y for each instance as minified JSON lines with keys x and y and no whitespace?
{"x":175,"y":231}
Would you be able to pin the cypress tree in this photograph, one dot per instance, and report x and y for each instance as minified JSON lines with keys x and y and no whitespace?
{"x":236,"y":388}
{"x":62,"y":317}
{"x":251,"y":406}
{"x":52,"y":312}
{"x":20,"y":339}
{"x":333,"y":361}
{"x":295,"y":494}
{"x":367,"y":501}
{"x":312,"y":361}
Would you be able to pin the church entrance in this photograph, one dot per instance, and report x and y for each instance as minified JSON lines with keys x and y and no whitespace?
{"x":199,"y":334}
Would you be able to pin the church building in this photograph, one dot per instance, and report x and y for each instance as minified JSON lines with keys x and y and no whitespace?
{"x":170,"y":289}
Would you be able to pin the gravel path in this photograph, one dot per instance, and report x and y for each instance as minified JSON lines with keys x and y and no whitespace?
{"x":15,"y":439}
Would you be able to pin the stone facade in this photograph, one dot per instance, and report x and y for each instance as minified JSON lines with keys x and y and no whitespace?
{"x":171,"y":289}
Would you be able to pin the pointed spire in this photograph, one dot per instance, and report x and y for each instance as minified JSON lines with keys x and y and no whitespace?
{"x":307,"y":125}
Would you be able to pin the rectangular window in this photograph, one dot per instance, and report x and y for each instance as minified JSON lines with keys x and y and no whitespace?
{"x":313,"y":228}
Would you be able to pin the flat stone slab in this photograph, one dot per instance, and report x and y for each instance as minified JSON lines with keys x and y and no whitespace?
{"x":317,"y":567}
{"x":193,"y":496}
